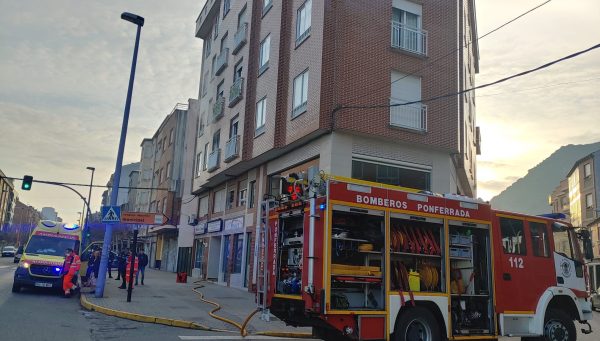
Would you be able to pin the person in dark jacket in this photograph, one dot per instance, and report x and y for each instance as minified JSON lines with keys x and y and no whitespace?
{"x":122,"y":267}
{"x":142,"y":263}
{"x":111,"y":259}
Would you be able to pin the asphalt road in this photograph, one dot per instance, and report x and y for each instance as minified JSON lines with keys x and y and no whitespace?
{"x":46,"y":316}
{"x":42,"y":315}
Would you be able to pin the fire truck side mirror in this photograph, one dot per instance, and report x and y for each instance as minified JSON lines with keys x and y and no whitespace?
{"x":588,"y":249}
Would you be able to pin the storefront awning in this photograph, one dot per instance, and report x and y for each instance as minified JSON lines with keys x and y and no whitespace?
{"x":162,"y":229}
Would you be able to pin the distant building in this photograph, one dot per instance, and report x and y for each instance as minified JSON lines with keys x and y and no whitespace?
{"x":25,"y":219}
{"x":49,"y":213}
{"x":559,"y":199}
{"x":123,"y":193}
{"x":8,"y":198}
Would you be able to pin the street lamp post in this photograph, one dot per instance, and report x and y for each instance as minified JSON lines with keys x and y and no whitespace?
{"x":87,"y":216}
{"x":139,"y":22}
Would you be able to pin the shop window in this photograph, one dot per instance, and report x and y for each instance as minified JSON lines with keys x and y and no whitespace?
{"x":539,"y":239}
{"x":513,"y":240}
{"x":199,"y":256}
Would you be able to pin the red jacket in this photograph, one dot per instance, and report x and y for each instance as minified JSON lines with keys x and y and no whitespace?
{"x":72,"y":264}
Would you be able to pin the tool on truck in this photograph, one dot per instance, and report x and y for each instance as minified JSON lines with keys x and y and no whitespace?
{"x":368,"y":261}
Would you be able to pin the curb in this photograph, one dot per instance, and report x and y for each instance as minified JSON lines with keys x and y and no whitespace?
{"x":142,"y":318}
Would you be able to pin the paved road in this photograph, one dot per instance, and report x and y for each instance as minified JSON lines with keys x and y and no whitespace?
{"x":42,"y":315}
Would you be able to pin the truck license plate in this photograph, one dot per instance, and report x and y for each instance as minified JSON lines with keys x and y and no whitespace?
{"x":43,"y":285}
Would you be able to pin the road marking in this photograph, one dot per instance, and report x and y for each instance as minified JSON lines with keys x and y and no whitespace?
{"x":251,"y":337}
{"x":6,"y":266}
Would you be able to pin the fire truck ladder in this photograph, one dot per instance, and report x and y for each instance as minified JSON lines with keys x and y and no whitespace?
{"x":263,"y":271}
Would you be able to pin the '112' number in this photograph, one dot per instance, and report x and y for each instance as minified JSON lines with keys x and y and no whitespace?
{"x":516,"y":262}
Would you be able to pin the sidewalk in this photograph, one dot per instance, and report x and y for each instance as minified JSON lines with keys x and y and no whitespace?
{"x":161,"y":296}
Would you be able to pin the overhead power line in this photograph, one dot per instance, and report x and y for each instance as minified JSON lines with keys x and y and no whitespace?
{"x":502,"y":80}
{"x":552,"y":85}
{"x":453,"y":51}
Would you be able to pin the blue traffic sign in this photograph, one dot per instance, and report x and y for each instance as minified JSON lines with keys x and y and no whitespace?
{"x":111,"y":214}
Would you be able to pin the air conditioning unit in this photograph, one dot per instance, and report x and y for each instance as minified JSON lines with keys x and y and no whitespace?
{"x":193,"y":220}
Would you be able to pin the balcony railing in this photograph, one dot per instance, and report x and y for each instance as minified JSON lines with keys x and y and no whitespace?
{"x":236,"y":92}
{"x":409,"y":38}
{"x":239,"y":39}
{"x":412,"y":116}
{"x":232,"y":148}
{"x":213,"y":160}
{"x":221,"y":62}
{"x":218,"y":109}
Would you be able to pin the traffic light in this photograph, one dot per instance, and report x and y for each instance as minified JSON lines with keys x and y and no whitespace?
{"x":27,"y":181}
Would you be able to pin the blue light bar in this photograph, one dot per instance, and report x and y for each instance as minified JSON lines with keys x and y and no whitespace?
{"x":48,"y":223}
{"x":70,"y":226}
{"x":322,"y":207}
{"x":553,"y":215}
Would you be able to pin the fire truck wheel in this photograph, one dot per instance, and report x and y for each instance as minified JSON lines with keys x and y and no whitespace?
{"x":557,"y":327}
{"x":417,"y":323}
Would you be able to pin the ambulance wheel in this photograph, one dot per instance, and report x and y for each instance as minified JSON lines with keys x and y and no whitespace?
{"x":16,"y":288}
{"x":557,"y":327}
{"x":417,"y":323}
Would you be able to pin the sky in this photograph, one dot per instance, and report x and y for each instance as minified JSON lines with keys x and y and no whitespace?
{"x":64,"y":70}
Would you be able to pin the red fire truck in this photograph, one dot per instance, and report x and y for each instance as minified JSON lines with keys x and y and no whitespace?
{"x":367,"y":261}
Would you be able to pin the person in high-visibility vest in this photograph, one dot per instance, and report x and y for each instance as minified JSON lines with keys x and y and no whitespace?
{"x":128,"y":269}
{"x":70,"y":269}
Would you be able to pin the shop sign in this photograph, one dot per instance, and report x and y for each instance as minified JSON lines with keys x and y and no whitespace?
{"x":200,"y":228}
{"x":214,"y":225}
{"x":234,"y":224}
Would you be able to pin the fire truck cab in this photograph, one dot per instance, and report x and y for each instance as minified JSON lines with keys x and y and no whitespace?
{"x":367,"y":261}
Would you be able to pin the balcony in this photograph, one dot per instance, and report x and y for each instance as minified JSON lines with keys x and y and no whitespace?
{"x":410,"y":39}
{"x":206,"y":18}
{"x":232,"y":148}
{"x":213,"y":160}
{"x":412,"y":116}
{"x":239,"y":39}
{"x":236,"y":92}
{"x":221,"y":62}
{"x":218,"y":109}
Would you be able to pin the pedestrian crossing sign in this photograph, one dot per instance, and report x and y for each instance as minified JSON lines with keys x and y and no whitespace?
{"x":111,"y":214}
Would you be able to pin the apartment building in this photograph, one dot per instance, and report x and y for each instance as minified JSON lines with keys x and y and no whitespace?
{"x":559,"y":199}
{"x":303,"y":86}
{"x":167,"y":165}
{"x":584,"y":191}
{"x":8,"y":198}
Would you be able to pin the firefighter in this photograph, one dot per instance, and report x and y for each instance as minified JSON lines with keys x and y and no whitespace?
{"x":70,"y":269}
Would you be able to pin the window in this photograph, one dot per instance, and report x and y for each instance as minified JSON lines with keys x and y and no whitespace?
{"x":300,"y":93}
{"x":204,"y":160}
{"x":261,"y":108}
{"x":223,"y":43}
{"x":216,"y":27}
{"x":406,"y":29}
{"x":164,"y":144}
{"x":513,"y":240}
{"x":216,"y":140}
{"x":391,"y":174}
{"x":237,"y":73}
{"x":214,"y":63}
{"x":198,"y":164}
{"x":220,"y":91}
{"x":161,"y":179}
{"x":201,"y":125}
{"x":252,"y":194}
{"x":203,"y":207}
{"x":171,"y":137}
{"x":168,"y":170}
{"x":238,"y":246}
{"x":241,"y":18}
{"x":539,"y":239}
{"x":219,"y":201}
{"x":267,"y":4}
{"x":303,"y":21}
{"x":207,"y":47}
{"x":205,"y":81}
{"x":226,"y":7}
{"x":406,"y":88}
{"x":587,"y":170}
{"x":263,"y":60}
{"x":242,"y":190}
{"x":233,"y":127}
{"x":230,"y":199}
{"x":164,"y":206}
{"x":589,"y":201}
{"x":562,"y":242}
